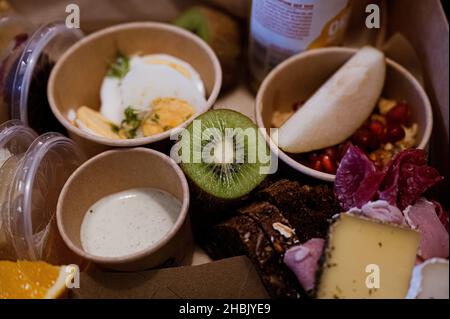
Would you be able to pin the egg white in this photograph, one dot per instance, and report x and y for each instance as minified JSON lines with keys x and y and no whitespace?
{"x":111,"y":97}
{"x":147,"y":81}
{"x":194,"y":76}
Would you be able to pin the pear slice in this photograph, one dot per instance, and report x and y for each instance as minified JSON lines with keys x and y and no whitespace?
{"x":339,"y":107}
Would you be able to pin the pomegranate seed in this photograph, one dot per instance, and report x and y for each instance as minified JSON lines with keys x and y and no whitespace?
{"x":377,"y":128}
{"x":331,"y":152}
{"x":317,"y":165}
{"x":362,"y":138}
{"x":375,"y":143}
{"x":312,"y":157}
{"x":327,"y":164}
{"x":394,"y":133}
{"x":399,"y":114}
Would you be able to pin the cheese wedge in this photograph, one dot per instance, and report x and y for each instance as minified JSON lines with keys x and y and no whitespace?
{"x":365,"y":258}
{"x":339,"y":107}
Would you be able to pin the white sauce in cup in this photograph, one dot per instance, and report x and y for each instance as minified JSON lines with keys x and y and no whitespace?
{"x":128,"y":222}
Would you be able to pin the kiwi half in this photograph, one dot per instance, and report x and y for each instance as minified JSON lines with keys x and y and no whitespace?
{"x":230,"y":167}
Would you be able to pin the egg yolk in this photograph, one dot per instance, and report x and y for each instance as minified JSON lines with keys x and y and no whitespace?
{"x":166,"y":114}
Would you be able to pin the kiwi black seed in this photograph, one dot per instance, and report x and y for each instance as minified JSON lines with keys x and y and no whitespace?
{"x":234,"y":168}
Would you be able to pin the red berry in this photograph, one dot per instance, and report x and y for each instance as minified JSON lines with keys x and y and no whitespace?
{"x":399,"y":114}
{"x":327,"y":164}
{"x":362,"y":138}
{"x":317,"y":165}
{"x":378,"y":131}
{"x":394,"y":133}
{"x":377,"y":128}
{"x":312,"y":157}
{"x":375,"y":143}
{"x":331,"y":152}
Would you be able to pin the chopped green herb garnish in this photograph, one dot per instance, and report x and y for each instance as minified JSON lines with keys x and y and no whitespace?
{"x":120,"y":67}
{"x":115,"y":128}
{"x":130,"y":115}
{"x":155,"y":118}
{"x":131,"y":123}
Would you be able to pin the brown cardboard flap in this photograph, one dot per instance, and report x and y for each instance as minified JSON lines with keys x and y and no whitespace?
{"x":225,"y":279}
{"x":424,"y":24}
{"x":102,"y":13}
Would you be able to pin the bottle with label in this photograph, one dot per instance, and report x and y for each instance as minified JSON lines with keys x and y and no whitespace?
{"x":282,"y":28}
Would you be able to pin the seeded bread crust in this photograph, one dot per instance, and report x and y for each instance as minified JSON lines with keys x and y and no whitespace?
{"x":309,"y":209}
{"x":276,"y":227}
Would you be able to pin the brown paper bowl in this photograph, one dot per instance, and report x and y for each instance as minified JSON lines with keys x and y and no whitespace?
{"x":118,"y":170}
{"x":77,"y":76}
{"x":300,"y":76}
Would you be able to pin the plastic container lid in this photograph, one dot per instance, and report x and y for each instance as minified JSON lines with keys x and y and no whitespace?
{"x":41,"y":51}
{"x":14,"y":34}
{"x":32,"y":197}
{"x":15,"y":139}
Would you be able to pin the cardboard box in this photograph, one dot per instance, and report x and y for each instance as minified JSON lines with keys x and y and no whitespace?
{"x":422,"y":23}
{"x":425,"y":25}
{"x":230,"y":278}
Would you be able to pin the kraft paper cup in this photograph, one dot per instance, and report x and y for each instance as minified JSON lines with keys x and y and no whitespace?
{"x":298,"y":77}
{"x":115,"y":171}
{"x":77,"y":76}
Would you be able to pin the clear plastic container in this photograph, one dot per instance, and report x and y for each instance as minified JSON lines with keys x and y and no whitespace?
{"x":31,"y":182}
{"x":13,"y":36}
{"x":25,"y":86}
{"x":15,"y":139}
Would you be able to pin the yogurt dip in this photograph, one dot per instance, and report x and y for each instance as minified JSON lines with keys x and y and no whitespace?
{"x":128,"y":222}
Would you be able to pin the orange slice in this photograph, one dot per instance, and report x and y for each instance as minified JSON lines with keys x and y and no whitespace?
{"x":31,"y":280}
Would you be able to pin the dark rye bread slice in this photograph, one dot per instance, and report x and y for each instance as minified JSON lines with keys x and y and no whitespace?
{"x":278,"y":232}
{"x":308,"y":208}
{"x":240,"y":235}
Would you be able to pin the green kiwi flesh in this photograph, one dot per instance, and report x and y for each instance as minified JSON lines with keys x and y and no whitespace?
{"x":228,"y":176}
